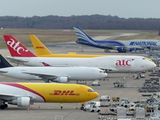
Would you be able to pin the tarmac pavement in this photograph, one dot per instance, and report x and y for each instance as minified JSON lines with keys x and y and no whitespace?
{"x":49,"y":111}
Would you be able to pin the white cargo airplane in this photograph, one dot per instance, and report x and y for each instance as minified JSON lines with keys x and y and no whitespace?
{"x":55,"y":74}
{"x":21,"y":55}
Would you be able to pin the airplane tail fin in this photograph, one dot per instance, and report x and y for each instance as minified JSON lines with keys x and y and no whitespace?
{"x":4,"y":63}
{"x":81,"y":35}
{"x":39,"y":47}
{"x":16,"y":48}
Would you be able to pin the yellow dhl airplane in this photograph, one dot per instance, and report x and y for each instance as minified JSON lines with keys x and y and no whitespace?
{"x":25,"y":94}
{"x":42,"y":51}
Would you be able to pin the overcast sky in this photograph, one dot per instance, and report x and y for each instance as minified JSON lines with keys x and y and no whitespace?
{"x":120,"y":8}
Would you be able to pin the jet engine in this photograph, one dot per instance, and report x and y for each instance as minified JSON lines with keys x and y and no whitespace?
{"x":131,"y":49}
{"x":121,"y":49}
{"x":21,"y":102}
{"x":61,"y":80}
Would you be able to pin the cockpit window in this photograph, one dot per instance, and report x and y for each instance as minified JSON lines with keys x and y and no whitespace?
{"x":90,"y":90}
{"x":149,"y":59}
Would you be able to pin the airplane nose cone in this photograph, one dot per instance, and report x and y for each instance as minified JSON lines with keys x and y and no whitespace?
{"x":153,"y":65}
{"x":105,"y":75}
{"x":96,"y":95}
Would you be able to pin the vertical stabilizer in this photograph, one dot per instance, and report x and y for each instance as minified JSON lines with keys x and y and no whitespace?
{"x":39,"y":48}
{"x":4,"y":63}
{"x":81,"y":35}
{"x":16,"y":48}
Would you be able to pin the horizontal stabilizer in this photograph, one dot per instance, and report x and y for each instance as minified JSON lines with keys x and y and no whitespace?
{"x":15,"y":59}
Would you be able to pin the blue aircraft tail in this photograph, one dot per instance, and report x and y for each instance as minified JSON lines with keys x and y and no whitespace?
{"x":4,"y":63}
{"x":81,"y":35}
{"x":85,"y":39}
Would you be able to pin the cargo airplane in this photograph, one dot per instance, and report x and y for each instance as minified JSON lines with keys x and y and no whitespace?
{"x":25,"y":94}
{"x":21,"y":55}
{"x":42,"y":51}
{"x":119,"y":45}
{"x":54,"y":74}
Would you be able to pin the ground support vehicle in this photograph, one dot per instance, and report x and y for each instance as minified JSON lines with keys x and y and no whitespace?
{"x":95,"y":83}
{"x":118,"y":84}
{"x":104,"y":98}
{"x":115,"y":99}
{"x":93,"y":106}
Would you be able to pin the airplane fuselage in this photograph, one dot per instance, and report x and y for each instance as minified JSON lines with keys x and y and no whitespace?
{"x":109,"y":44}
{"x":144,"y":43}
{"x":72,"y":73}
{"x":115,"y":63}
{"x":23,"y":94}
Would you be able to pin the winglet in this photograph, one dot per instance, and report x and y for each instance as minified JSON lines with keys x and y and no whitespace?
{"x":16,"y":48}
{"x":39,"y":47}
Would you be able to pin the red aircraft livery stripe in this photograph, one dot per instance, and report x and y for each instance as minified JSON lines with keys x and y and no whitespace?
{"x":24,"y":88}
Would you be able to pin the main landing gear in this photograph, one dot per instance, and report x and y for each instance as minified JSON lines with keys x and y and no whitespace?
{"x":82,"y":105}
{"x":3,"y":106}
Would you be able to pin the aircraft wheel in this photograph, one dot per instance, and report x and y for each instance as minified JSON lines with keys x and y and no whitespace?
{"x":98,"y":110}
{"x":4,"y":106}
{"x":82,"y":108}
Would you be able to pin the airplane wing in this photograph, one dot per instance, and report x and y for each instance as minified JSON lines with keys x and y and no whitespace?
{"x":50,"y":77}
{"x":124,"y":47}
{"x":134,"y":47}
{"x":8,"y":97}
{"x":43,"y":76}
{"x":108,"y":69}
{"x":2,"y":71}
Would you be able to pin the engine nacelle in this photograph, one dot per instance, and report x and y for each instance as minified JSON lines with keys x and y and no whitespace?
{"x":131,"y":49}
{"x":61,"y":80}
{"x":121,"y":49}
{"x":21,"y":102}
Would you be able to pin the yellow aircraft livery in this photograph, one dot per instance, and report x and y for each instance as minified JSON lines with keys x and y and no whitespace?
{"x":24,"y":94}
{"x":42,"y":51}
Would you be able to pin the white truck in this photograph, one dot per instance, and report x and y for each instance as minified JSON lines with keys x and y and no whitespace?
{"x":96,"y":83}
{"x":133,"y":106}
{"x":125,"y":102}
{"x":92,"y":106}
{"x":136,"y":76}
{"x":105,"y":98}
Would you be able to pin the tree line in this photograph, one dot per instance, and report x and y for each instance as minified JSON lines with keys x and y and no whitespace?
{"x":84,"y":21}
